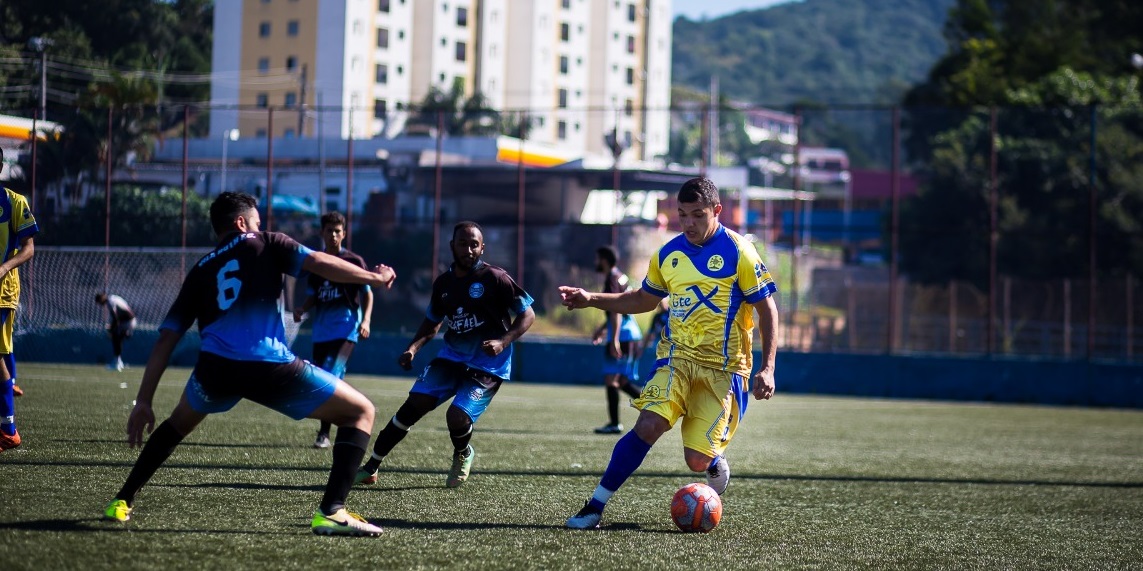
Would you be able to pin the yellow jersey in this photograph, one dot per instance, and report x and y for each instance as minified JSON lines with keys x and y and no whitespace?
{"x":710,"y":286}
{"x":16,"y":224}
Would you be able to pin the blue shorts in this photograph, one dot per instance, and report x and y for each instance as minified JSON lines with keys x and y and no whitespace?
{"x":294,"y":389}
{"x":471,"y":389}
{"x":625,"y":364}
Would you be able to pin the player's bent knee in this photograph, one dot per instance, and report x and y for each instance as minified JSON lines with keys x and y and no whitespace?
{"x":696,"y":461}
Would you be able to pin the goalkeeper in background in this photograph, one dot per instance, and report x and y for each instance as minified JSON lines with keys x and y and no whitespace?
{"x":120,"y":326}
{"x":17,"y":229}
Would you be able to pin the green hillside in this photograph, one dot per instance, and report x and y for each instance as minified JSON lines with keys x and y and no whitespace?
{"x":841,"y":52}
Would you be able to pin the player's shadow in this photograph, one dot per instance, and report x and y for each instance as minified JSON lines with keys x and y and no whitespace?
{"x":97,"y":525}
{"x":267,"y":446}
{"x":421,"y":525}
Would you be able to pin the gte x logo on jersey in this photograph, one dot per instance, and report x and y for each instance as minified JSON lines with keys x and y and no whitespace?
{"x":699,"y":301}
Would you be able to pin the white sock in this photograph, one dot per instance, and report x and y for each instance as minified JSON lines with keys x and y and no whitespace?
{"x":602,"y":495}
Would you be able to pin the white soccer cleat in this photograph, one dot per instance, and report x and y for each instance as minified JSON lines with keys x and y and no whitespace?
{"x":718,"y":476}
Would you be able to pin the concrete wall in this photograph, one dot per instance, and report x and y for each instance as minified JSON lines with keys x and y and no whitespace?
{"x":559,"y":361}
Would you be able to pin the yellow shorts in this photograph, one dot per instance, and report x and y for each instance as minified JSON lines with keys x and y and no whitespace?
{"x":7,"y":329}
{"x":710,"y":402}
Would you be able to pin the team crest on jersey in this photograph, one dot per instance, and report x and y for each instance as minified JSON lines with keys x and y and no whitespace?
{"x":475,"y":290}
{"x":715,"y":263}
{"x":674,"y":262}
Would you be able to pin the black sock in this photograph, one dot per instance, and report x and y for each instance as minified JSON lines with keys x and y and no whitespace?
{"x":324,"y":429}
{"x":461,"y":439}
{"x":158,"y":448}
{"x":390,"y":436}
{"x":629,"y":388}
{"x":613,"y":404}
{"x":348,"y":450}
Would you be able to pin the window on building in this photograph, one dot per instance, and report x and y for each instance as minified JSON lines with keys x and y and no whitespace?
{"x":563,"y":65}
{"x":563,"y":99}
{"x":262,"y":100}
{"x":263,"y":65}
{"x":630,"y":76}
{"x":444,"y":42}
{"x":461,"y":51}
{"x":630,"y":44}
{"x":383,"y":6}
{"x":292,"y":28}
{"x":400,"y":34}
{"x":380,"y":109}
{"x":291,"y":99}
{"x":565,"y":32}
{"x":381,"y":73}
{"x":264,"y":30}
{"x":462,"y":17}
{"x":291,"y":63}
{"x":629,"y":107}
{"x":562,"y":130}
{"x":630,"y":12}
{"x":400,"y":70}
{"x":565,"y":4}
{"x":383,"y":38}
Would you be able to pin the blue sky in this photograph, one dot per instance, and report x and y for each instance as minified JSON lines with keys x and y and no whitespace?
{"x":696,"y":9}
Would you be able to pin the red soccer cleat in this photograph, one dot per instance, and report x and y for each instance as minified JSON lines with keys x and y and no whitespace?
{"x":7,"y":442}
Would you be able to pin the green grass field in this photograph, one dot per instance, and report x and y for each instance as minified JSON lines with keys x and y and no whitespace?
{"x":823,"y":483}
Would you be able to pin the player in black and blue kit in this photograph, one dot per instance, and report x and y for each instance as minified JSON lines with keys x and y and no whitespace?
{"x":234,"y":293}
{"x":476,"y":301}
{"x":341,"y":311}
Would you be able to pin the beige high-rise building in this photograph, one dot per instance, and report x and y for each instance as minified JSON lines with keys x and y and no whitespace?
{"x":578,"y":70}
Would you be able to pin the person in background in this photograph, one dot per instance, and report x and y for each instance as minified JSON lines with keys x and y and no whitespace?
{"x":120,"y":326}
{"x":619,"y":335}
{"x":341,"y":311}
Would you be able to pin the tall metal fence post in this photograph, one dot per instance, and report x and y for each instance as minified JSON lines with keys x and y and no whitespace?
{"x":1093,"y":202}
{"x":894,"y":228}
{"x":993,"y":230}
{"x":438,"y":175}
{"x":270,"y":169}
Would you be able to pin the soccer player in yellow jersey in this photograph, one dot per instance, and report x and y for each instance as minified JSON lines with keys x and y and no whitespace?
{"x":715,"y":281}
{"x":17,"y":227}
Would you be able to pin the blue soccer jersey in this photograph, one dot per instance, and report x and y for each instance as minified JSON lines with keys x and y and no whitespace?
{"x":337,"y":312}
{"x":477,"y":307}
{"x":235,"y":294}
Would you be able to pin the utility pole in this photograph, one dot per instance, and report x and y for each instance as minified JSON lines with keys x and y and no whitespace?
{"x":41,"y":45}
{"x":302,"y":102}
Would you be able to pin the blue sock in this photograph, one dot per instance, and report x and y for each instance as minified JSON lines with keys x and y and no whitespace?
{"x":628,"y":454}
{"x":7,"y":407}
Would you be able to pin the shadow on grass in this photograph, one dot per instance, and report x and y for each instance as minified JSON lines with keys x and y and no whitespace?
{"x":188,"y":444}
{"x":454,"y":525}
{"x":98,"y":525}
{"x":581,"y":473}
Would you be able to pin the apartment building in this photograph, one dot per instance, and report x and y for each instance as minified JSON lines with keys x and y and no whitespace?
{"x":578,"y":70}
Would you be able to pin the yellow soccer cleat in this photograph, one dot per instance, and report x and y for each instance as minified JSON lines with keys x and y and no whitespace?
{"x":117,"y":510}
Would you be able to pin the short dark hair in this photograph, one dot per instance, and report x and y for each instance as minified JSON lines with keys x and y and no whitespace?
{"x":332,"y":219}
{"x":464,"y":225}
{"x":700,"y":190}
{"x":227,"y":208}
{"x":607,"y":253}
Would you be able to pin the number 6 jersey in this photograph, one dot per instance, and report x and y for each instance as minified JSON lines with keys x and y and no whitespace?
{"x":234,"y":293}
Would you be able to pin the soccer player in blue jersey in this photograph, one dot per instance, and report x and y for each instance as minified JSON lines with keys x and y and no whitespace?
{"x":621,"y":335}
{"x":716,"y":282}
{"x":17,"y":229}
{"x":341,"y":311}
{"x":234,"y":293}
{"x":484,"y":311}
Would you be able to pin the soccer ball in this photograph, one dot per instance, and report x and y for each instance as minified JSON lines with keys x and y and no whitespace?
{"x":696,"y":508}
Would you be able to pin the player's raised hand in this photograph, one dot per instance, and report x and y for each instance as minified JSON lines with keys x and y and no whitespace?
{"x":141,"y":418}
{"x":574,"y":297}
{"x":388,"y":275}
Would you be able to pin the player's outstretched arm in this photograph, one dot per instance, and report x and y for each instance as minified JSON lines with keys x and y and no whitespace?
{"x":763,"y":385}
{"x":335,"y":269}
{"x":493,"y":347}
{"x":142,"y":416}
{"x":633,"y":301}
